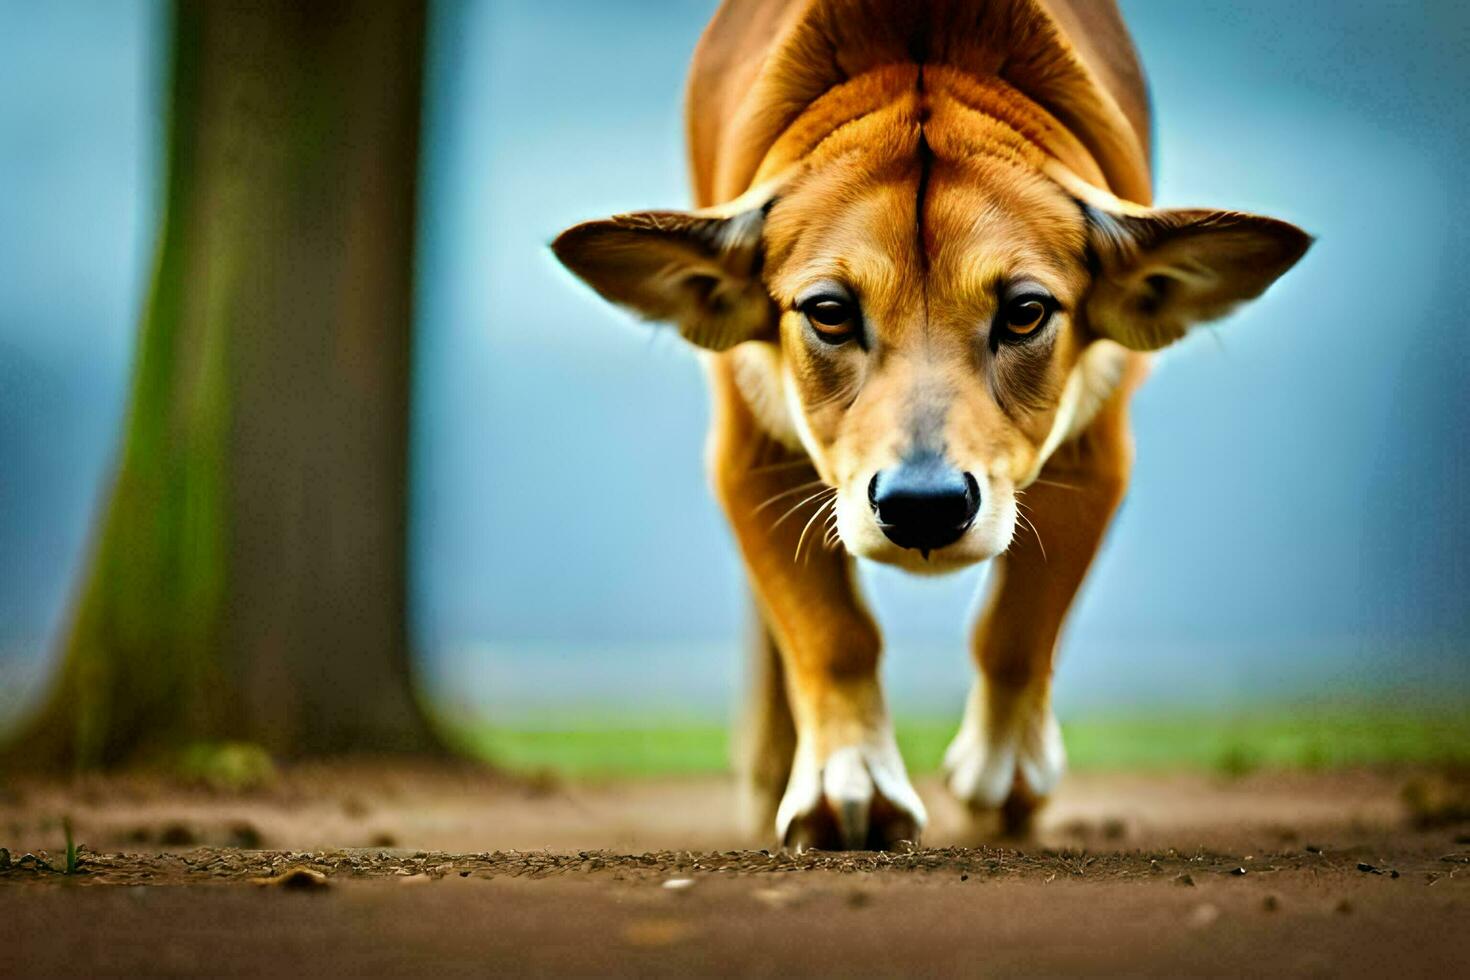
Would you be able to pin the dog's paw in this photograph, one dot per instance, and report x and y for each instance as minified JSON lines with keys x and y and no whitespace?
{"x":1007,"y":756}
{"x":857,"y":797}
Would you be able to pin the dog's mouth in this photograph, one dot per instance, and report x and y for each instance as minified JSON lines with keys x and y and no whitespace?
{"x":922,"y":562}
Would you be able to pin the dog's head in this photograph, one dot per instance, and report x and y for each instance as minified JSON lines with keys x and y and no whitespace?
{"x":928,"y":304}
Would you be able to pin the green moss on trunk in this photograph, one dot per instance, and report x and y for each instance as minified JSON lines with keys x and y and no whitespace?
{"x":247,"y":580}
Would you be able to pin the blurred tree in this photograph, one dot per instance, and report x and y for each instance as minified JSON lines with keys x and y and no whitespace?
{"x":248,"y":576}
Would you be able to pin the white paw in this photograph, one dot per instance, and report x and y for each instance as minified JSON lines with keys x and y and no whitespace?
{"x":857,"y":797}
{"x":1009,"y":740}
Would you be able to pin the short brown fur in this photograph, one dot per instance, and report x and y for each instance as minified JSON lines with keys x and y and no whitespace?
{"x":932,"y":165}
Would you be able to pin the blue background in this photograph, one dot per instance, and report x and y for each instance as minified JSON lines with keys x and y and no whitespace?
{"x":1297,"y":526}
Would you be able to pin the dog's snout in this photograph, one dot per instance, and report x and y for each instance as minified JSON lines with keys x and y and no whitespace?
{"x":923,"y":502}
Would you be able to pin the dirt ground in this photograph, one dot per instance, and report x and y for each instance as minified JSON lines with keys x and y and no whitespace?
{"x":373,"y":870}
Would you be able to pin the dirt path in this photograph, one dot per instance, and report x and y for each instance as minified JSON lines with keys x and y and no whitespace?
{"x":1315,"y":874}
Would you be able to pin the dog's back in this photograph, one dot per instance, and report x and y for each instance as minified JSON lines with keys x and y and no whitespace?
{"x":761,"y":63}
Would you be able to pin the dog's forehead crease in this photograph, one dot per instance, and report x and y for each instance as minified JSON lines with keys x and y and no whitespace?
{"x":864,"y":240}
{"x":979,"y":228}
{"x":985,"y":242}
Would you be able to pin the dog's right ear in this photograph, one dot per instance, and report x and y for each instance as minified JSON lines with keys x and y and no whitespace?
{"x":698,"y":270}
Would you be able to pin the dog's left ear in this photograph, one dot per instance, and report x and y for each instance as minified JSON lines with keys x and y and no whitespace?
{"x":1160,"y":272}
{"x":698,"y":270}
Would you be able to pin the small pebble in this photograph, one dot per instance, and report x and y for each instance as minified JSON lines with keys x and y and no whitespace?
{"x":679,"y":884}
{"x":1184,"y":879}
{"x":297,"y":878}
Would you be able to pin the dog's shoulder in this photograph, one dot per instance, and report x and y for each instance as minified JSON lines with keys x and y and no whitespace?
{"x":1095,"y":31}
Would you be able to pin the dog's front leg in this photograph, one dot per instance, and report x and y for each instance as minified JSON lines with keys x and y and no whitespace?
{"x":1008,"y":754}
{"x":848,"y":787}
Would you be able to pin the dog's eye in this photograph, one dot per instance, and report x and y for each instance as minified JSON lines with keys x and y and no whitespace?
{"x":833,"y":320}
{"x":1025,"y":315}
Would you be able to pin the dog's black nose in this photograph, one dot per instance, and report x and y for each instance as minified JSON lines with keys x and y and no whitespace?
{"x":923,"y":502}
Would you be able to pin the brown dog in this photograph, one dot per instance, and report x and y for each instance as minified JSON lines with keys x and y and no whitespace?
{"x":930,"y":289}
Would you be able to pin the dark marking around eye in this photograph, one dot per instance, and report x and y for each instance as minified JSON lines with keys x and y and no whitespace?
{"x":1019,"y":376}
{"x":1019,"y":368}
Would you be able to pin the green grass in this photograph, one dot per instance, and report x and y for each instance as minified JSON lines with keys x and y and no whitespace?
{"x":660,"y":749}
{"x":1234,"y":745}
{"x":71,"y":846}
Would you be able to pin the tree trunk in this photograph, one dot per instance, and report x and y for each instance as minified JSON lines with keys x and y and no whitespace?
{"x":248,"y":577}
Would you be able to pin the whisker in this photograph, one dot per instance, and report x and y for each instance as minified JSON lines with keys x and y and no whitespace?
{"x":1055,"y":483}
{"x":829,"y":507}
{"x":783,"y":465}
{"x":1020,"y":512}
{"x":801,"y":504}
{"x":810,"y":521}
{"x":786,"y":493}
{"x":833,"y":539}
